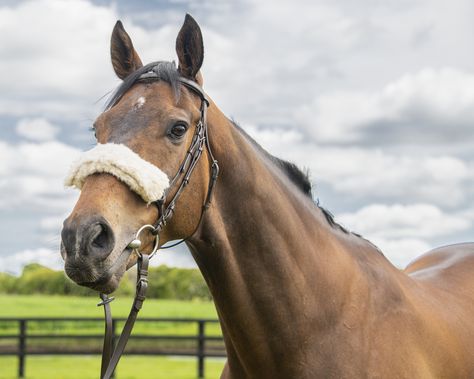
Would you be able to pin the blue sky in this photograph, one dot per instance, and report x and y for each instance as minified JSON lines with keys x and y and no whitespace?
{"x":375,"y":99}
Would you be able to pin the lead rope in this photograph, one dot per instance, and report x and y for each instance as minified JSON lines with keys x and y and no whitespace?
{"x":111,"y":356}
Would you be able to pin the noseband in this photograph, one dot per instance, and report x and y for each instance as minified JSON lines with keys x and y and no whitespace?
{"x":111,"y":356}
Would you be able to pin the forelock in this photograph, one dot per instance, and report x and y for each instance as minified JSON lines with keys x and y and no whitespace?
{"x":166,"y":71}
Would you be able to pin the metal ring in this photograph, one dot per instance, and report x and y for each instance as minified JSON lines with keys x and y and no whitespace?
{"x":157,"y":239}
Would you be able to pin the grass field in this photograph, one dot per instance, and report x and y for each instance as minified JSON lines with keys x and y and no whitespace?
{"x":65,"y":306}
{"x":50,"y":367}
{"x":83,"y":367}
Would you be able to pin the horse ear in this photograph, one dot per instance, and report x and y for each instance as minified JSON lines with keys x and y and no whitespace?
{"x":125,"y":59}
{"x":190,"y":48}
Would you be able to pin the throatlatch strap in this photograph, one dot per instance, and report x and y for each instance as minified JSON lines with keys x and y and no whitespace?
{"x":110,"y":356}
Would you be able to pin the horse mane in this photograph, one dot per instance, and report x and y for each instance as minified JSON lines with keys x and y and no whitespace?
{"x":298,"y":177}
{"x":330,"y":219}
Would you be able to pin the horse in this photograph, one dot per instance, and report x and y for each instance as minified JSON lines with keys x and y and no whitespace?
{"x":297,"y":295}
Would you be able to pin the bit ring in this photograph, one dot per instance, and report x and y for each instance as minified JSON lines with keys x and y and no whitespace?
{"x":136,"y":243}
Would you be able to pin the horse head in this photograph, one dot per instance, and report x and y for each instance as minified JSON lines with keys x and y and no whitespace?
{"x":148,"y":136}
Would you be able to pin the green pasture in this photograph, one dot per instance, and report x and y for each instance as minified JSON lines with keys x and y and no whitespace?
{"x":83,"y":367}
{"x":68,"y":306}
{"x":130,"y":367}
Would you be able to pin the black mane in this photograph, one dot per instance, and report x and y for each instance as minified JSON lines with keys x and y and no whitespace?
{"x":298,"y":177}
{"x":330,"y":219}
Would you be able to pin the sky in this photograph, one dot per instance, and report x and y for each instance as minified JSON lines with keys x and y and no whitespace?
{"x":374,"y":98}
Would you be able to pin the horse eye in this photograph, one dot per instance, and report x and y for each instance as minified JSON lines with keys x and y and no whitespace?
{"x":178,"y":130}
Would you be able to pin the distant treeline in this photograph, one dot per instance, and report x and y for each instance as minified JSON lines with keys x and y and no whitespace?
{"x":164,"y":283}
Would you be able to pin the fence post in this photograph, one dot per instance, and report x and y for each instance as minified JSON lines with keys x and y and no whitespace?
{"x":201,"y":348}
{"x":21,"y":348}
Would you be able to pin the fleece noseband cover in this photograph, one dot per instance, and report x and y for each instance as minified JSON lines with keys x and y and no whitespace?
{"x":141,"y":176}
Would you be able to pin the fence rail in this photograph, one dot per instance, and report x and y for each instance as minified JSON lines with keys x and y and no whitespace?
{"x":29,"y":340}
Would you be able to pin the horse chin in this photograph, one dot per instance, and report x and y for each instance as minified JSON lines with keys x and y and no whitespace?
{"x":105,"y":279}
{"x":107,"y":286}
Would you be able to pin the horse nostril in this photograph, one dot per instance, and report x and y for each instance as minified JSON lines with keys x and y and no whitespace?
{"x":87,"y":237}
{"x":101,"y":240}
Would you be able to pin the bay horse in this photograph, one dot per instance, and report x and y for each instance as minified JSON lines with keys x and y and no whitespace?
{"x":297,"y":295}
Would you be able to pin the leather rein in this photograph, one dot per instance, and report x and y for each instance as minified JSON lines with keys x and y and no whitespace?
{"x":200,"y":141}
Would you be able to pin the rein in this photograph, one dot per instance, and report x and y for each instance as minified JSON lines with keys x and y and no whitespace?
{"x":200,"y":141}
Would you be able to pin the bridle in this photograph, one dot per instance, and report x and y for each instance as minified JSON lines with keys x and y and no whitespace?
{"x":111,"y":356}
{"x":199,"y":141}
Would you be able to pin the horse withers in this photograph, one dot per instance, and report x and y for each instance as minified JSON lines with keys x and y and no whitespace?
{"x":297,"y":295}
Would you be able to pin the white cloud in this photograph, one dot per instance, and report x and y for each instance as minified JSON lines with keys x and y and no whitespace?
{"x":404,"y":221}
{"x":32,"y":175}
{"x":14,"y":263}
{"x":37,"y":129}
{"x":60,"y":54}
{"x":56,"y":49}
{"x":260,"y":70}
{"x":403,"y":232}
{"x":432,"y":104}
{"x":177,"y":257}
{"x":372,"y":174}
{"x":402,"y":251}
{"x":52,"y":223}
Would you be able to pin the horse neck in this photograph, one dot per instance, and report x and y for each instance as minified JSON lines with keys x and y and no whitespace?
{"x":275,"y":267}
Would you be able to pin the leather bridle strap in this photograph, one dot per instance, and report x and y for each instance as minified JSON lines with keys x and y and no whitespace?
{"x":199,"y":142}
{"x":111,"y":356}
{"x":108,"y":347}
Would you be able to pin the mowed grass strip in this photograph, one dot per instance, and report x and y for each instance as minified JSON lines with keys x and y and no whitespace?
{"x":88,"y":367}
{"x":69,"y":306}
{"x":65,"y":306}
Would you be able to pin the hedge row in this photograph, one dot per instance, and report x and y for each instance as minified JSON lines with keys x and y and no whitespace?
{"x":164,"y":283}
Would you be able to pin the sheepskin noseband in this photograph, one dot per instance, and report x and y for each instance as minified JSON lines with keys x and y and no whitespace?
{"x":141,"y":176}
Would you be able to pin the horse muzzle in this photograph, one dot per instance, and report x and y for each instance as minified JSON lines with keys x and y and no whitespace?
{"x":88,"y":247}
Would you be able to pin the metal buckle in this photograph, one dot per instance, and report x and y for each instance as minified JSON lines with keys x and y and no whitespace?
{"x":105,"y":300}
{"x":137,"y":243}
{"x":141,"y":284}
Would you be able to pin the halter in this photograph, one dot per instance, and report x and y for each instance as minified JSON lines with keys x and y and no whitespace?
{"x":111,"y":356}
